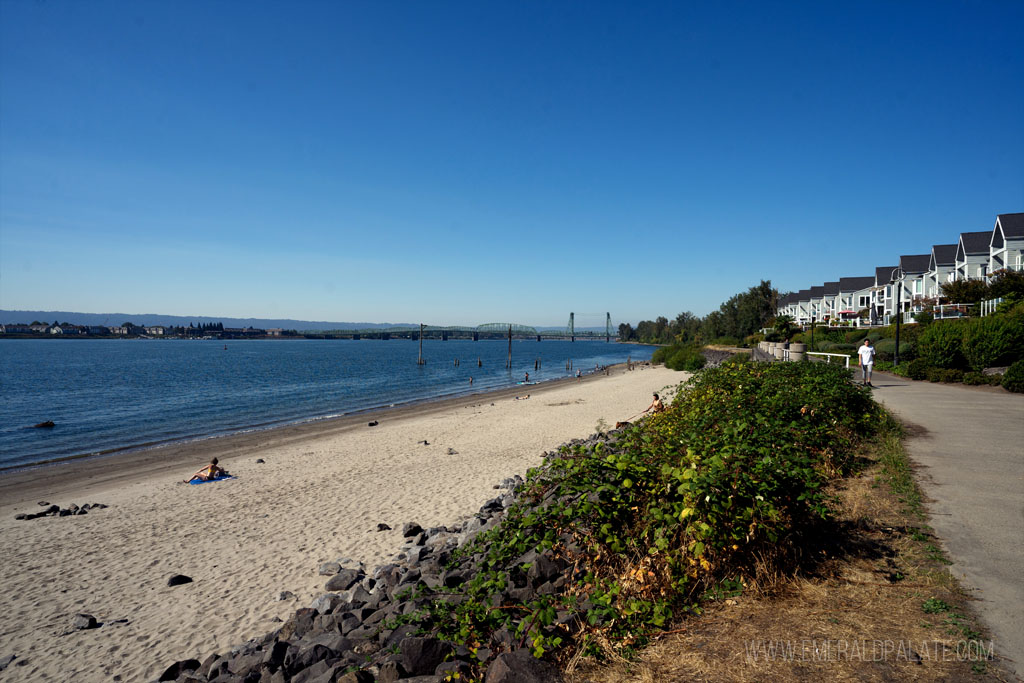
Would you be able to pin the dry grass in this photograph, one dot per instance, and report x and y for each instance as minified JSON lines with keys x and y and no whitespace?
{"x":853,"y":611}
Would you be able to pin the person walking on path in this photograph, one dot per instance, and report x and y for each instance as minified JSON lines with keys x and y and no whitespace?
{"x":867,"y":362}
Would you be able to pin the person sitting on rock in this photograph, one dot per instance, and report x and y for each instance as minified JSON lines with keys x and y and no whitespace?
{"x":209,"y":473}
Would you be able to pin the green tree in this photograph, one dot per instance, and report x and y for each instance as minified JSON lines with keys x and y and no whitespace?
{"x":966,"y":291}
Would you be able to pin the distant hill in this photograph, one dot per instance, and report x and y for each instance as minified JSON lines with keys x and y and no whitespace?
{"x":7,"y":317}
{"x":146,"y":319}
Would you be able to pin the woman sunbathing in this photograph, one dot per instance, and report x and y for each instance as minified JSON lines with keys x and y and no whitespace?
{"x":209,"y":473}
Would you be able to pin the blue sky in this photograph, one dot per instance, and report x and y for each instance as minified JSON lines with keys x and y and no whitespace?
{"x":470,"y":162}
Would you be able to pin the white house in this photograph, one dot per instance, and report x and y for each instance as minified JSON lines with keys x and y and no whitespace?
{"x":829,"y":300}
{"x":972,"y":254}
{"x":802,"y":306}
{"x":1006,"y":245}
{"x":941,"y":266}
{"x":914,"y":268}
{"x":883,"y":295}
{"x":814,"y":303}
{"x":854,"y":294}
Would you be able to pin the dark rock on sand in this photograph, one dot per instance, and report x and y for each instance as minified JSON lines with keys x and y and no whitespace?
{"x":260,"y":461}
{"x":372,"y":424}
{"x":178,"y":668}
{"x":343,"y":580}
{"x":82,"y":622}
{"x":178,"y":580}
{"x":6,"y":661}
{"x":383,"y":527}
{"x":411,"y":529}
{"x":520,"y":666}
{"x":44,"y":503}
{"x":329,"y":568}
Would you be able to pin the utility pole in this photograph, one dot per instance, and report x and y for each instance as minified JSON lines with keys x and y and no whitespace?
{"x":508,"y":363}
{"x":420,"y":361}
{"x":607,"y":328}
{"x":899,"y":313}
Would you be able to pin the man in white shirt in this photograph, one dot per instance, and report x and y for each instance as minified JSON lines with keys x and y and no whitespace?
{"x":867,"y":361}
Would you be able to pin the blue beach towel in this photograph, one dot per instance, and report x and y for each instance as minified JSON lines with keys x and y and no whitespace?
{"x":210,"y":481}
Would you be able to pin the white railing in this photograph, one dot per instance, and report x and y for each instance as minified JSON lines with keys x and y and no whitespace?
{"x":988,"y":307}
{"x":829,"y":356}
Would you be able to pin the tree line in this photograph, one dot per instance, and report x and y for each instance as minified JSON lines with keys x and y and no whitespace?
{"x":741,"y":315}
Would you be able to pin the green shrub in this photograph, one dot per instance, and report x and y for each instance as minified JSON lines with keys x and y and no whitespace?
{"x":1013,"y":378}
{"x":941,"y":344}
{"x":688,"y":358}
{"x":874,"y":336}
{"x":924,"y":318}
{"x":855,"y":336}
{"x":885,"y":349}
{"x":947,"y":375}
{"x":916,"y":369}
{"x":994,"y":340}
{"x":726,"y":341}
{"x":980,"y":378}
{"x":729,"y":477}
{"x":839,"y":348}
{"x":661,"y":353}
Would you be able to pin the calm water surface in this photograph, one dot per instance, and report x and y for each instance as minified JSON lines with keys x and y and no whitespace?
{"x":111,"y":394}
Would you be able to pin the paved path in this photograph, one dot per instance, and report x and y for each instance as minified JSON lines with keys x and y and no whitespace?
{"x":972,"y":459}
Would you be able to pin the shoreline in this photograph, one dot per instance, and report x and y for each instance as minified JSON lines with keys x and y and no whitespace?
{"x":372,"y":412}
{"x":318,"y":495}
{"x":21,"y":484}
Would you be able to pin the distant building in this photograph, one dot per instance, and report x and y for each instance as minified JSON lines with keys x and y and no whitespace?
{"x":941,"y":267}
{"x":1006,"y":246}
{"x":972,"y":253}
{"x":156,"y":330}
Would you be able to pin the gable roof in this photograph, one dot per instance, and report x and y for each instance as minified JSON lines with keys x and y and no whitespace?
{"x":883,"y":275}
{"x":803,"y":295}
{"x":973,"y":244}
{"x":831,"y":288}
{"x":853,"y":284}
{"x":942,"y":255}
{"x":916,"y":263}
{"x":817,"y":292}
{"x":1011,"y":223}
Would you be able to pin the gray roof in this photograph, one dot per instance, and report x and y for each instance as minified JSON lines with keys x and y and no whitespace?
{"x":803,"y":295}
{"x":883,"y":274}
{"x":917,"y":263}
{"x":1012,"y":224}
{"x":854,"y":284}
{"x":942,"y":255}
{"x":973,"y":243}
{"x":817,"y":292}
{"x":831,"y":288}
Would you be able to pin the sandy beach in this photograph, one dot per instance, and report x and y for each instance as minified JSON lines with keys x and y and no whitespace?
{"x":319,"y":496}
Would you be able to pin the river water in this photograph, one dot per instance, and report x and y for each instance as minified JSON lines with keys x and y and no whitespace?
{"x":105,"y":395}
